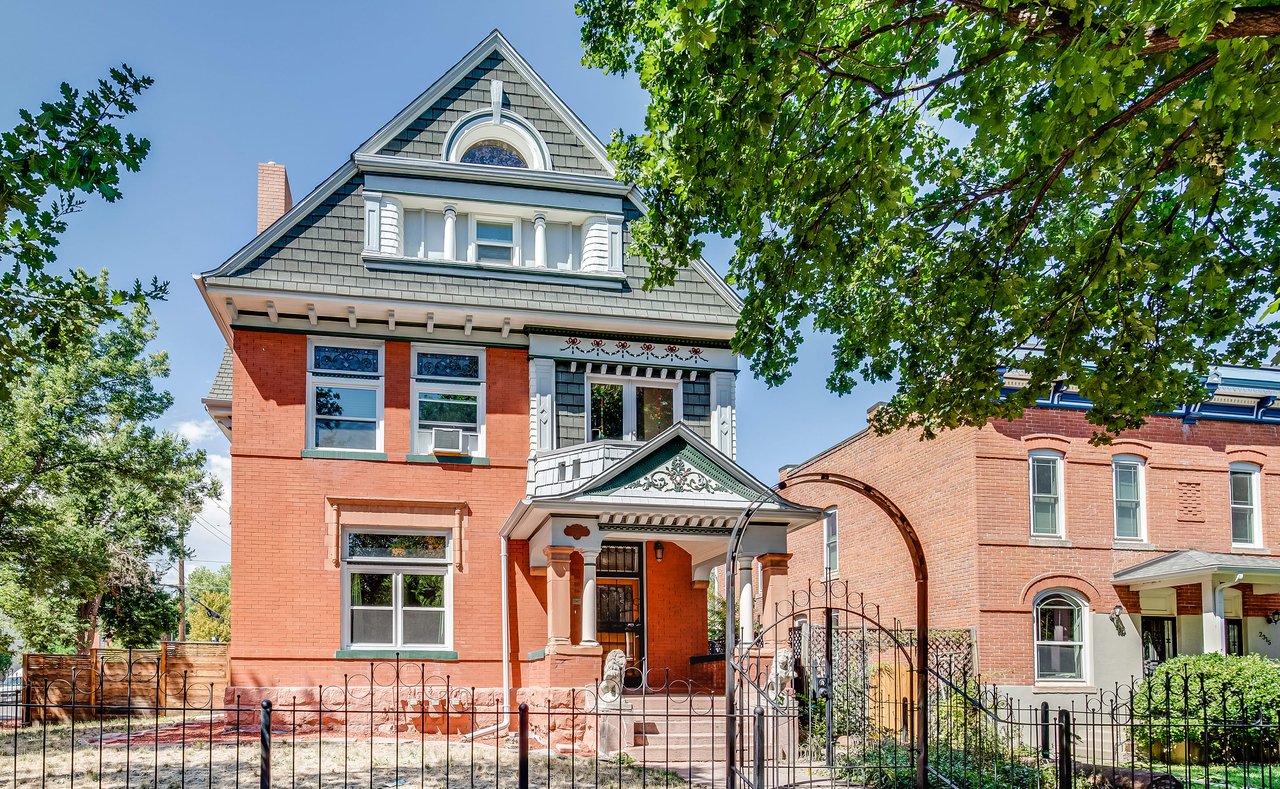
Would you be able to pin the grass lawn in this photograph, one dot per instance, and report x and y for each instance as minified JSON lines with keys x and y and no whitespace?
{"x":177,"y":758}
{"x":1254,"y":775}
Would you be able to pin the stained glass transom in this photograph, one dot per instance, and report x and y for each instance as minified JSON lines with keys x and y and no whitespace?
{"x":448,"y":365}
{"x":346,"y":360}
{"x":495,"y":153}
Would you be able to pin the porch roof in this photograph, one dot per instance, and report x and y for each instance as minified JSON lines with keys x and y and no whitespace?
{"x":1189,"y":566}
{"x":677,"y":483}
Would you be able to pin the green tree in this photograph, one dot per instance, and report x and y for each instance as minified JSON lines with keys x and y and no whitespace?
{"x":209,"y":590}
{"x":49,"y":163}
{"x":90,"y":492}
{"x":139,"y":616}
{"x":1082,"y":189}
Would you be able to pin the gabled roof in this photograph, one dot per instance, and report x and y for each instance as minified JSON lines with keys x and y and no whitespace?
{"x":316,"y":247}
{"x":1190,"y":563}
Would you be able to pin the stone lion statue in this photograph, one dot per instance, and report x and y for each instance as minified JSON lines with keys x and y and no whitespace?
{"x":781,"y":673}
{"x":615,"y":665}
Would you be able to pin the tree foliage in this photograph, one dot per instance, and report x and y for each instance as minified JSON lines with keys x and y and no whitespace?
{"x":209,"y":590}
{"x":49,"y":163}
{"x":90,"y":492}
{"x":139,"y":616}
{"x":1082,"y":189}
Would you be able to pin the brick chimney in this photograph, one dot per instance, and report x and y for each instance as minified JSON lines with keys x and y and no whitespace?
{"x":274,"y":198}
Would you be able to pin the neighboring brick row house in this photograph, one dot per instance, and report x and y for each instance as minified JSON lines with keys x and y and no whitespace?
{"x":462,"y":432}
{"x":1076,"y":566}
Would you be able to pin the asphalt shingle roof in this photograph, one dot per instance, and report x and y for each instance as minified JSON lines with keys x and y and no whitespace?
{"x":1184,"y":562}
{"x":221,"y":387}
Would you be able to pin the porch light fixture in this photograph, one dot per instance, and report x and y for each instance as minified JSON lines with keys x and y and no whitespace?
{"x":659,"y":550}
{"x":1273,"y":617}
{"x":1117,"y":619}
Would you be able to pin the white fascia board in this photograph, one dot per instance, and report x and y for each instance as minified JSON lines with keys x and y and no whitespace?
{"x":290,"y":218}
{"x":398,"y":165}
{"x":494,"y":41}
{"x":219,"y":314}
{"x":374,"y":309}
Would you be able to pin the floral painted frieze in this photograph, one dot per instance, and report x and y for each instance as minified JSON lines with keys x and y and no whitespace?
{"x":677,"y":476}
{"x":640,"y":351}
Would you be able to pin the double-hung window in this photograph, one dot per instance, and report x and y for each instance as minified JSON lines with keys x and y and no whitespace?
{"x":830,"y":542}
{"x":631,"y":410}
{"x":495,"y":241}
{"x":344,"y":395}
{"x":1059,"y":638}
{"x":448,"y":401}
{"x":397,"y":589}
{"x":1046,"y":494}
{"x":1245,"y":505}
{"x":1127,"y":475}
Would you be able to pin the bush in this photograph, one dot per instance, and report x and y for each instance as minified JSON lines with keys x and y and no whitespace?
{"x":889,"y":764}
{"x":1211,"y":701}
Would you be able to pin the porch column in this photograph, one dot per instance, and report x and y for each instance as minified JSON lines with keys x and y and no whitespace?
{"x":1211,"y":618}
{"x":746,"y":601}
{"x":589,"y":596}
{"x":773,"y":583}
{"x":450,"y":234}
{"x":559,"y":597}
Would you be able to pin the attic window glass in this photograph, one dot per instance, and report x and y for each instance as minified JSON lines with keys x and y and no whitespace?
{"x":494,"y":153}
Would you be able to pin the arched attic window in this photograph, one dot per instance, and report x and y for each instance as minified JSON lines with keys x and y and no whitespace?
{"x":496,"y":139}
{"x":493,"y":152}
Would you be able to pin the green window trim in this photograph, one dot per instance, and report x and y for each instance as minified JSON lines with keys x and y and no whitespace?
{"x":461,"y":460}
{"x":343,"y":454}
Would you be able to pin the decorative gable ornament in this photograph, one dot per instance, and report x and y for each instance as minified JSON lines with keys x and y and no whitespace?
{"x":676,"y":476}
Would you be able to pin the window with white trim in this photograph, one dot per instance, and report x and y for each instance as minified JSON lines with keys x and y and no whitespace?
{"x":448,"y":400}
{"x":1059,"y":637}
{"x":495,"y":240}
{"x":344,"y":395}
{"x":830,"y":542}
{"x":1246,"y":501}
{"x":621,"y":409}
{"x":1128,"y":473}
{"x":397,"y":589}
{"x":1046,"y":494}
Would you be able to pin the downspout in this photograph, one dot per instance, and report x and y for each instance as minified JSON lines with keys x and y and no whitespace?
{"x":505,"y":723}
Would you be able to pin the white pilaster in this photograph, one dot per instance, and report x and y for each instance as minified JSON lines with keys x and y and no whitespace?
{"x":1211,"y":618}
{"x":540,"y":241}
{"x":544,"y":387}
{"x":589,"y":596}
{"x":450,"y":233}
{"x":722,"y":414}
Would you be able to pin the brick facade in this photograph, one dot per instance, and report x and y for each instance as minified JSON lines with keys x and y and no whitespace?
{"x":967,"y":495}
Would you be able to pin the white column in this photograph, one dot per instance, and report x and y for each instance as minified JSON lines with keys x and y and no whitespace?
{"x":450,"y":234}
{"x":746,"y":602}
{"x":1211,"y":618}
{"x":540,"y":241}
{"x":589,"y":596}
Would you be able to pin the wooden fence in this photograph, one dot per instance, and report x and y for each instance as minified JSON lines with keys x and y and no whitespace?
{"x":113,"y":682}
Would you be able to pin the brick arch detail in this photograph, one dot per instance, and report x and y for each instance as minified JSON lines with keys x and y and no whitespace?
{"x":1047,"y":441}
{"x":1074,"y":583}
{"x":1245,"y":455}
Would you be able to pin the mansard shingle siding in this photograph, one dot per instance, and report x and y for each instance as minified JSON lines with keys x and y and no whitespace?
{"x":321,"y":254}
{"x":424,"y":138}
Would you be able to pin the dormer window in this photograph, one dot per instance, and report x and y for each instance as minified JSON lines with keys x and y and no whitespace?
{"x":495,"y":153}
{"x":495,"y":241}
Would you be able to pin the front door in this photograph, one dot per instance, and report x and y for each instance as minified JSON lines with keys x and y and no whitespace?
{"x":1159,"y":641}
{"x":620,"y":604}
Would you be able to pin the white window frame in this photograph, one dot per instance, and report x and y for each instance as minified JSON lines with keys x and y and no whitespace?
{"x":629,"y":385}
{"x":446,"y":386}
{"x":1082,"y":606}
{"x":1060,"y":470}
{"x":473,"y":245}
{"x":1255,"y":506}
{"x":396,"y":568}
{"x":1141,"y":465}
{"x":830,"y":542}
{"x":317,"y":378}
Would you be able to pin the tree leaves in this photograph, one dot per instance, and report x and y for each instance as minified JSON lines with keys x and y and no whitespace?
{"x":1083,"y":191}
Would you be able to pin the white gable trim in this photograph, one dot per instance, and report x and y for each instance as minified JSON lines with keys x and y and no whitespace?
{"x":493,"y":41}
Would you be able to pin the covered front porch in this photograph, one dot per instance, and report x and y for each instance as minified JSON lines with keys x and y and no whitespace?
{"x":1197,"y":602}
{"x":627,"y":537}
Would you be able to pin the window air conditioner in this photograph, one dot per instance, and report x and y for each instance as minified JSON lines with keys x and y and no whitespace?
{"x":446,"y":441}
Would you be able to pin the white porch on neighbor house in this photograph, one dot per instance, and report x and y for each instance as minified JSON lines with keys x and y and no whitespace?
{"x":677,"y":497}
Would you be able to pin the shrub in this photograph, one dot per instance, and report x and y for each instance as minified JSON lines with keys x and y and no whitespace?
{"x":1213,"y":701}
{"x":889,"y":764}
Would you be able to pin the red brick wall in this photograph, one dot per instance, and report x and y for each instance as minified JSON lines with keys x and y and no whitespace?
{"x":967,"y":495}
{"x":676,"y":615}
{"x":287,"y":595}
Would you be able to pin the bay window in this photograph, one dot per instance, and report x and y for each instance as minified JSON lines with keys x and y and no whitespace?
{"x":344,"y":395}
{"x":398,"y":589}
{"x":631,"y":410}
{"x":448,"y":401}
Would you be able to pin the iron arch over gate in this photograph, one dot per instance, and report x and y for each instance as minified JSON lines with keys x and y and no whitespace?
{"x":738,"y":669}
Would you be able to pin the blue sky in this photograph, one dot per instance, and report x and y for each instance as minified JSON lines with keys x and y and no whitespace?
{"x":304,"y":84}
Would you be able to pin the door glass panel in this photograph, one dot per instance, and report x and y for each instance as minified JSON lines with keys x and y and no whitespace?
{"x":606,"y":411}
{"x":655,"y":411}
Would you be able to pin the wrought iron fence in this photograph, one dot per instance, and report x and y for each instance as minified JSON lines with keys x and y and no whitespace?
{"x":395,"y":724}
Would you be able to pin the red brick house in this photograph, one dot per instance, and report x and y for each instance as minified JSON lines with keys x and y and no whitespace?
{"x":1075,"y":566}
{"x":461,"y":431}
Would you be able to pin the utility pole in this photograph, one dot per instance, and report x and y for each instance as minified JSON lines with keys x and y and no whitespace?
{"x":182,"y":587}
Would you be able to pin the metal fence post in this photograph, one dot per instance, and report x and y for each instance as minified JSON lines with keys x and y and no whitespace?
{"x":1044,"y":730}
{"x":524,"y":746}
{"x":1065,"y":763}
{"x":264,"y":745}
{"x":758,"y":748}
